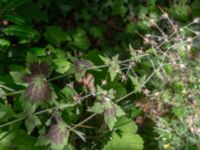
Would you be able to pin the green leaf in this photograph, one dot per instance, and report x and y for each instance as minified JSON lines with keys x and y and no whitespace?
{"x":6,"y":112}
{"x":97,"y":108}
{"x":2,"y":94}
{"x":127,"y":140}
{"x":120,"y":90}
{"x":17,"y":139}
{"x":126,"y":124}
{"x":15,"y":19}
{"x":2,"y":114}
{"x":80,"y":40}
{"x":17,"y":77}
{"x":119,"y":111}
{"x":111,"y":112}
{"x":180,"y":12}
{"x":55,"y":35}
{"x":25,"y":33}
{"x":69,"y":93}
{"x":31,"y":122}
{"x":61,"y":65}
{"x":110,"y":120}
{"x":118,"y":8}
{"x":38,"y":51}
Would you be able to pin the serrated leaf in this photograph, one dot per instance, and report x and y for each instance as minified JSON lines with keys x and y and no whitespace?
{"x":126,"y":124}
{"x":127,"y":139}
{"x":119,"y":111}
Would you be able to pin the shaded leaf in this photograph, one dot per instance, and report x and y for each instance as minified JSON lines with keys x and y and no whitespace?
{"x":55,"y":35}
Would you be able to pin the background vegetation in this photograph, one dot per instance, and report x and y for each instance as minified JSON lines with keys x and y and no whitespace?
{"x":99,"y":74}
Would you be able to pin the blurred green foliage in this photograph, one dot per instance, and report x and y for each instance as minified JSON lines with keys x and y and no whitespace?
{"x":53,"y":53}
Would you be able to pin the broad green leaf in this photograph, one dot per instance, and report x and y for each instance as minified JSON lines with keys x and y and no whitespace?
{"x":80,"y":40}
{"x":38,"y":51}
{"x":55,"y":35}
{"x":120,"y":90}
{"x":69,"y":93}
{"x":18,"y":139}
{"x":127,"y":139}
{"x":4,"y":43}
{"x":119,"y":9}
{"x":97,"y":108}
{"x":25,"y":33}
{"x":119,"y":111}
{"x":61,"y":65}
{"x":126,"y":124}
